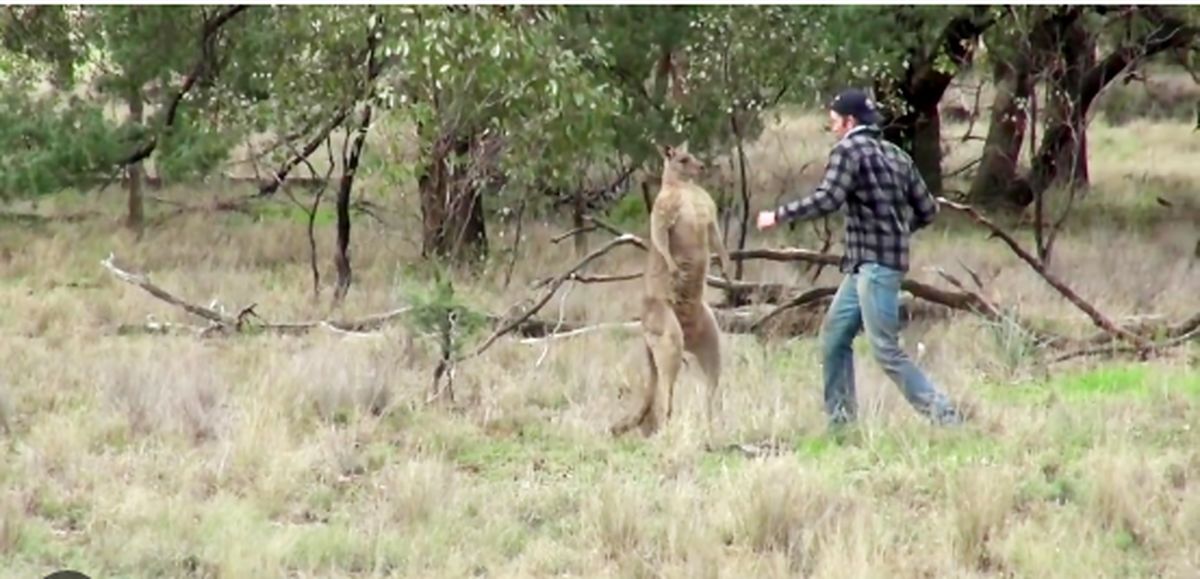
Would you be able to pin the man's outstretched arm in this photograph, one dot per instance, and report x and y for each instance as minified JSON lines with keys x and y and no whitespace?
{"x":829,"y":196}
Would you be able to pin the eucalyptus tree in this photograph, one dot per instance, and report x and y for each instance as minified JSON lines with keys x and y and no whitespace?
{"x":1075,"y":52}
{"x":92,"y":58}
{"x":499,"y":106}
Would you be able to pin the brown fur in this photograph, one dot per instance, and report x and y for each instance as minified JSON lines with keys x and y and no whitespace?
{"x":675,"y":318}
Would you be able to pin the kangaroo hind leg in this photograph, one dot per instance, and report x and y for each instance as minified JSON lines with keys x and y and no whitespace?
{"x":704,"y":342}
{"x":649,"y":390}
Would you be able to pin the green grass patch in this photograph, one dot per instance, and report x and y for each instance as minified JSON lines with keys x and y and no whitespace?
{"x":1112,"y":380}
{"x":536,"y":449}
{"x":1127,"y":380}
{"x":1107,"y":380}
{"x":814,"y":447}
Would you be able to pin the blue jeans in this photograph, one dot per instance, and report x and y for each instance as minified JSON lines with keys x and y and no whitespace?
{"x":870,"y":298}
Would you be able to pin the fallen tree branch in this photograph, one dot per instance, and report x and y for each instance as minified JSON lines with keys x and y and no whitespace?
{"x":964,"y":301}
{"x":767,"y":292}
{"x":825,"y":230}
{"x":144,"y":283}
{"x":584,"y":330}
{"x":505,"y":328}
{"x":613,"y":230}
{"x":787,"y":254}
{"x":1098,"y":318}
{"x":38,"y":219}
{"x":1188,"y":326}
{"x":574,"y":232}
{"x":807,"y":297}
{"x":1148,"y":330}
{"x":977,"y":301}
{"x":770,"y":292}
{"x":241,"y":322}
{"x":1113,"y":349}
{"x":595,"y":278}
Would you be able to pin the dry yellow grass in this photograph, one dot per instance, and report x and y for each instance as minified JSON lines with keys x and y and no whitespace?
{"x":317,"y":456}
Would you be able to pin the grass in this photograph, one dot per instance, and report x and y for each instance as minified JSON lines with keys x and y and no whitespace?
{"x":132,"y":455}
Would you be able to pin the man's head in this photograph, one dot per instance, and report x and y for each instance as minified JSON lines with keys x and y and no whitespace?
{"x":852,"y":108}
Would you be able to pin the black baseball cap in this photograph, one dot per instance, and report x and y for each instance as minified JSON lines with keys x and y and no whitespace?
{"x":855,"y":103}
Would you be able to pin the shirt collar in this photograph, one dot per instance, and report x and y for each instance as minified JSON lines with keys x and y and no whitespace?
{"x":871,"y":129}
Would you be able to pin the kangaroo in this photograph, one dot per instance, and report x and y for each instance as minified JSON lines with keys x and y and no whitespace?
{"x":675,"y":318}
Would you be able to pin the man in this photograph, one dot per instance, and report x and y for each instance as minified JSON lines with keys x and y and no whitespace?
{"x":886,"y":201}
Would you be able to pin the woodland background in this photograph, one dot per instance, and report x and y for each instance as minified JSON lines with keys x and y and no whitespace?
{"x":351,"y":291}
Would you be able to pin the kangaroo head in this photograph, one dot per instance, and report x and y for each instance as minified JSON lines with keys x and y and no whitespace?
{"x":678,"y":163}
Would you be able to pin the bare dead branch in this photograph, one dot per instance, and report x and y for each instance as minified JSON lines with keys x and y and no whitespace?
{"x":1188,"y":326}
{"x":574,"y":232}
{"x":1113,"y":349}
{"x":280,"y":175}
{"x":963,"y":301}
{"x":825,"y":230}
{"x":145,"y":283}
{"x":38,"y":219}
{"x":787,"y":254}
{"x":807,"y":297}
{"x":241,"y":322}
{"x":546,"y":296}
{"x":312,"y":213}
{"x":974,"y":276}
{"x":1098,"y":318}
{"x":583,"y":330}
{"x":950,"y":278}
{"x":594,"y":278}
{"x":613,"y":230}
{"x":1161,"y":331}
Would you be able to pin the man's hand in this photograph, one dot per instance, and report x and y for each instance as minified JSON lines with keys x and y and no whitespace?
{"x":766,"y":220}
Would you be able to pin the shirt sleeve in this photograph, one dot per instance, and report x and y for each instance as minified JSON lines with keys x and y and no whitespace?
{"x":924,"y":206}
{"x":830,"y":195}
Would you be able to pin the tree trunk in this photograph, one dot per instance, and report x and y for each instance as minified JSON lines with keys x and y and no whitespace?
{"x":744,"y":230}
{"x":341,"y":258}
{"x":996,"y":184}
{"x":919,"y":131}
{"x":927,"y":146}
{"x":136,"y":218}
{"x":1065,"y":139}
{"x":917,"y":127}
{"x":451,"y":206}
{"x":579,"y":209}
{"x":1065,"y":162}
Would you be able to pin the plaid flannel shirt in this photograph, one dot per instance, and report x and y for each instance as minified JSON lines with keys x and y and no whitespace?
{"x":885,"y":197}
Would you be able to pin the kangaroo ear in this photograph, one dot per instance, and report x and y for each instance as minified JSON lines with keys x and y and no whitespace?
{"x":683,"y":148}
{"x":667,"y":151}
